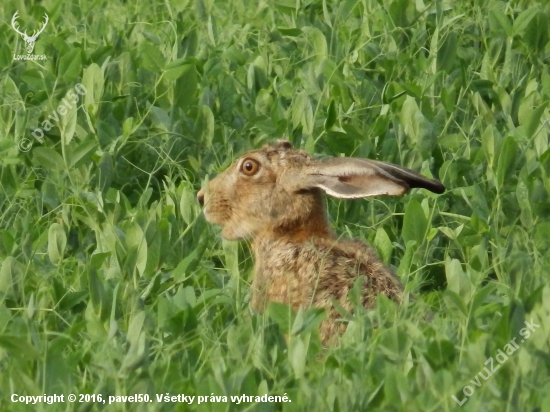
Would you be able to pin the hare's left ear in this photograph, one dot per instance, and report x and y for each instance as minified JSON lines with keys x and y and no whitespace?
{"x":351,"y":178}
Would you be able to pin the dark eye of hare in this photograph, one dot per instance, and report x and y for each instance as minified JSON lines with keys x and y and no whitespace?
{"x":250,"y":167}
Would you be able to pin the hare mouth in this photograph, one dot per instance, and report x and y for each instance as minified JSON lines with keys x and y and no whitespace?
{"x":220,"y":218}
{"x":238,"y":231}
{"x":214,"y":218}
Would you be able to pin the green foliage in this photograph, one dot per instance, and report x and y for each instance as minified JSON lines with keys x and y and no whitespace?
{"x":112,"y":283}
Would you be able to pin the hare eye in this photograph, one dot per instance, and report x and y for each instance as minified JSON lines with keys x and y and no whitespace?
{"x":250,"y":167}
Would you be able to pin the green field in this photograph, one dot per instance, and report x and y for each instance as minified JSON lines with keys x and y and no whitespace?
{"x":111,"y":281}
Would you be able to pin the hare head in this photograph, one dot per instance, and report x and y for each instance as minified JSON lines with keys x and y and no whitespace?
{"x":277,"y":190}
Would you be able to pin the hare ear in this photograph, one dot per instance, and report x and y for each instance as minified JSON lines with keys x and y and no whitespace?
{"x":353,"y":178}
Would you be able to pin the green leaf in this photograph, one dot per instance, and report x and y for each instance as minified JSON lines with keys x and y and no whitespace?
{"x":542,"y":236}
{"x":186,"y":86}
{"x":317,"y":39}
{"x":70,"y":65}
{"x":67,"y":124}
{"x":257,"y":75}
{"x":179,"y":273}
{"x":415,"y":223}
{"x":447,"y":53}
{"x":383,"y":244}
{"x":204,"y":126}
{"x":47,"y":158}
{"x":457,"y":281}
{"x":151,"y":57}
{"x":326,"y":14}
{"x":302,"y":113}
{"x":532,"y":122}
{"x":135,"y":328}
{"x":524,"y":18}
{"x":97,"y":260}
{"x":105,"y":172}
{"x":163,"y":231}
{"x":57,"y":241}
{"x":18,"y":347}
{"x":308,"y":321}
{"x":406,"y":260}
{"x":331,"y":115}
{"x":95,"y":285}
{"x":72,"y":299}
{"x":380,"y":125}
{"x":297,"y":352}
{"x":33,"y":78}
{"x":340,"y":142}
{"x":176,"y":69}
{"x":5,"y":318}
{"x":448,"y":98}
{"x":402,"y":12}
{"x":231,"y":257}
{"x":506,"y":160}
{"x":440,"y":353}
{"x":289,"y":32}
{"x":93,"y":81}
{"x":523,"y":198}
{"x":488,"y":144}
{"x":153,"y":253}
{"x":187,"y":203}
{"x":481,"y":298}
{"x":416,"y":126}
{"x":234,"y":54}
{"x":478,"y":202}
{"x":454,"y":301}
{"x":545,"y":162}
{"x":135,"y":238}
{"x":281,"y":314}
{"x":8,"y":277}
{"x":136,"y":338}
{"x":82,"y":153}
{"x":127,"y":126}
{"x":208,"y":296}
{"x":500,"y":22}
{"x":537,"y":33}
{"x":264,"y":102}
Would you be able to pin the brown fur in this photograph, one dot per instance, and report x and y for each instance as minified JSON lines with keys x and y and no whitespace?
{"x":298,"y":259}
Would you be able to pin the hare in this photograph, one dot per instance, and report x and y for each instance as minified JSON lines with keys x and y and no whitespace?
{"x":274,"y":196}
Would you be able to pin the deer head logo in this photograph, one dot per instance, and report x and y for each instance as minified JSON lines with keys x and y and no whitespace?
{"x":30,"y":40}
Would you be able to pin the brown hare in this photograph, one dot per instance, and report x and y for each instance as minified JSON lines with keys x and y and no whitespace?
{"x":274,"y":196}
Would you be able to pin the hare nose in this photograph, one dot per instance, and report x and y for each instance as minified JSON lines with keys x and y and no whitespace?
{"x":200,"y":197}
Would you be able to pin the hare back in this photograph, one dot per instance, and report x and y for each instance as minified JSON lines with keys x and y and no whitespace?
{"x":316,"y":272}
